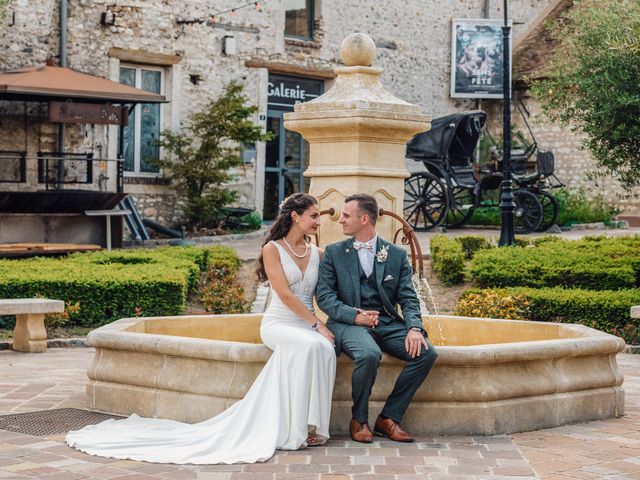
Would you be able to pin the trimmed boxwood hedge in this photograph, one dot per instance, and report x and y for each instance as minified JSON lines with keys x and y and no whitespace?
{"x":607,"y":310}
{"x":595,"y":263}
{"x":447,"y":259}
{"x":112,"y":285}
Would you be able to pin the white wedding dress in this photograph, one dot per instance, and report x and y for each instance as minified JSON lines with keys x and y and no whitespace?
{"x":290,"y":399}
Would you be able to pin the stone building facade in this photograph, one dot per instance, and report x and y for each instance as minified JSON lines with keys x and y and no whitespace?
{"x":188,"y":52}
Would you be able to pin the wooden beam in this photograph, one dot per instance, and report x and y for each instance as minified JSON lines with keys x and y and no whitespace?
{"x":144,"y":57}
{"x":290,"y":69}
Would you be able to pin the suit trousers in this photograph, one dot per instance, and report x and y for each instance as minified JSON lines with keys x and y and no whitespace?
{"x":365,"y":346}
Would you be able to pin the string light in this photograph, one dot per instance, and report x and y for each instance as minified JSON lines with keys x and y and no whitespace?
{"x":214,"y":17}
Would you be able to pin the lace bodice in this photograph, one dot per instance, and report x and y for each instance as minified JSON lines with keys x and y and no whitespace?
{"x":301,"y":286}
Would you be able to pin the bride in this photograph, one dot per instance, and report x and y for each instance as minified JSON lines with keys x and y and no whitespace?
{"x":288,"y":405}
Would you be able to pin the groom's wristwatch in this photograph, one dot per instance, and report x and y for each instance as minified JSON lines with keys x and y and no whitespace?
{"x":416,"y":329}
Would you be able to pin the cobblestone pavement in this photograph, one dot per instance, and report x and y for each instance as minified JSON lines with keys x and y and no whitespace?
{"x":603,"y":450}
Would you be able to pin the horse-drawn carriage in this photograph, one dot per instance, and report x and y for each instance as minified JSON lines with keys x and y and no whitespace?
{"x":452,"y":185}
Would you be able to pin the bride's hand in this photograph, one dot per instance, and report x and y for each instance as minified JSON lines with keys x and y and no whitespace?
{"x":325,"y":332}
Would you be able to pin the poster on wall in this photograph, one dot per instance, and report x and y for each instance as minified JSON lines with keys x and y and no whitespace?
{"x":477,"y":48}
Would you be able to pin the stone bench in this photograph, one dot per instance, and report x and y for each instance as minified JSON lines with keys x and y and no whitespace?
{"x":29,"y":335}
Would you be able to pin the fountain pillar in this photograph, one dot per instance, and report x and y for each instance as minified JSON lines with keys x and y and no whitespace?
{"x":357,"y":133}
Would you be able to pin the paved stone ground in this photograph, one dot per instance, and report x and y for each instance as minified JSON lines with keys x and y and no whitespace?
{"x":249,"y":249}
{"x":598,"y":450}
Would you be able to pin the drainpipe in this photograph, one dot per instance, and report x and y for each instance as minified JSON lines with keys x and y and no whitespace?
{"x":486,"y":12}
{"x":63,"y":63}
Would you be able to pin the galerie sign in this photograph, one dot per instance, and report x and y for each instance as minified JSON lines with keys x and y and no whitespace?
{"x":287,"y":91}
{"x":67,"y":112}
{"x":477,"y":66}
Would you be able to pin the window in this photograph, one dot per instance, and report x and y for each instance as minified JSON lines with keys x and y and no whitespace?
{"x":143,"y":131}
{"x":298,"y":18}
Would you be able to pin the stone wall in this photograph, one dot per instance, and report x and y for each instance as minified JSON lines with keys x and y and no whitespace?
{"x":413,"y":36}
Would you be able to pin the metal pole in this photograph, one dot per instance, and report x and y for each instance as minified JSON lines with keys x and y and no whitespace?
{"x":507,"y":205}
{"x":63,"y":33}
{"x":63,"y":63}
{"x":487,"y":8}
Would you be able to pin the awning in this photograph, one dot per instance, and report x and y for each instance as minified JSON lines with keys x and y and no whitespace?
{"x":44,"y":84}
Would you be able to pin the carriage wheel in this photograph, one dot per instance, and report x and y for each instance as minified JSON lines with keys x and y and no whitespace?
{"x":527,"y":216}
{"x":463,"y":207}
{"x":425,"y":201}
{"x":550,"y":210}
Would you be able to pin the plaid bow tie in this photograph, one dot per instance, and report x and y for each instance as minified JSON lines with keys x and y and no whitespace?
{"x":358,"y":245}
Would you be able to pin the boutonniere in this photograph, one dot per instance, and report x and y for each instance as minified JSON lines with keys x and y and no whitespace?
{"x":381,"y":256}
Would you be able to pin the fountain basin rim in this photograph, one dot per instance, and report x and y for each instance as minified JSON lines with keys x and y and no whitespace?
{"x":589,"y":342}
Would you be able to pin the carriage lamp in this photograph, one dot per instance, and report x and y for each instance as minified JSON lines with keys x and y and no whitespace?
{"x":507,"y":205}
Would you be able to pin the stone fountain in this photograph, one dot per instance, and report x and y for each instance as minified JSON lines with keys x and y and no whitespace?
{"x":491,"y":377}
{"x":357,"y":133}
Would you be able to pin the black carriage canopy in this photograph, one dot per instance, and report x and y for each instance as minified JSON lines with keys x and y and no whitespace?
{"x":455,"y":136}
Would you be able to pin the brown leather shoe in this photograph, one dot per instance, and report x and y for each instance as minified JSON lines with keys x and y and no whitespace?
{"x":390,"y":429}
{"x":360,"y":432}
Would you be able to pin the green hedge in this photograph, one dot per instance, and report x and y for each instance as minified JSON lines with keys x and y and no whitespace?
{"x":608,"y":311}
{"x":474,"y":243}
{"x":593,"y":263}
{"x":112,"y":285}
{"x":447,"y":259}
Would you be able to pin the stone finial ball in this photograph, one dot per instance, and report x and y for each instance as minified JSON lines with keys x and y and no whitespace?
{"x":358,"y":49}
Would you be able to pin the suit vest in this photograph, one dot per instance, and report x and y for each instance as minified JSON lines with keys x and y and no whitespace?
{"x":369,"y":296}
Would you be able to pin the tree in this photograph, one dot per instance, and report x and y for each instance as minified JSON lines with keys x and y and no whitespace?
{"x":203,"y":154}
{"x":592,"y":83}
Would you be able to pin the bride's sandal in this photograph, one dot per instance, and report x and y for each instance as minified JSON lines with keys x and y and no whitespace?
{"x":312,"y":441}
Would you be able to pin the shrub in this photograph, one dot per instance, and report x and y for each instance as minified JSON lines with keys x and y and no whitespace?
{"x":546,"y":239}
{"x":485,"y":216}
{"x":608,"y":311}
{"x":592,"y":263}
{"x":522,"y":242}
{"x":573,"y":205}
{"x":447,"y":260}
{"x":112,"y":285}
{"x":576,"y":208}
{"x":54,"y":321}
{"x":221,"y":292}
{"x":472,"y":243}
{"x":492,"y":304}
{"x":253,"y":219}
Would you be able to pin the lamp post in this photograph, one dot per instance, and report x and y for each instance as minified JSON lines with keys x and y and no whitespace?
{"x":507,"y":205}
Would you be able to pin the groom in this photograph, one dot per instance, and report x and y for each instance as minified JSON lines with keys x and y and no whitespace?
{"x":360,"y":284}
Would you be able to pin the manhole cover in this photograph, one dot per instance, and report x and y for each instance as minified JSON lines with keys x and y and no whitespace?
{"x":51,"y":422}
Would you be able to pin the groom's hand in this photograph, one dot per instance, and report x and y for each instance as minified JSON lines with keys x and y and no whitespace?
{"x":413,"y":343}
{"x":367,"y":318}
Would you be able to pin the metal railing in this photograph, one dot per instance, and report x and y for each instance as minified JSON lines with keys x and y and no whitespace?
{"x":78,"y":168}
{"x":49,"y":164}
{"x":14,"y":164}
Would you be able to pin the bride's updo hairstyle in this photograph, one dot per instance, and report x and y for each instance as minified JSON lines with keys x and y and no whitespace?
{"x":299,"y":203}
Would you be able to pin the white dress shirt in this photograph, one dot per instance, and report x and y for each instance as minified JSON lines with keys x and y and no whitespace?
{"x":367,"y":256}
